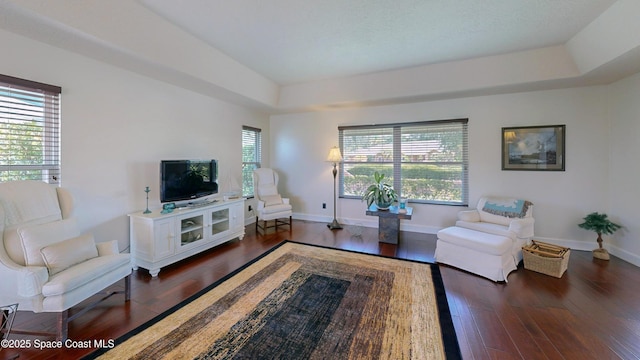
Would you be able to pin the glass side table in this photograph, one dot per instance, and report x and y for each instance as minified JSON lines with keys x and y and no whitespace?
{"x":8,"y":314}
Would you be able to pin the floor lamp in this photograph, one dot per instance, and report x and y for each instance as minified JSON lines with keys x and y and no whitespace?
{"x":334,"y":157}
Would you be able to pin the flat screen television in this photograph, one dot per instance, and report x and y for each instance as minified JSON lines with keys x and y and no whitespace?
{"x":184,"y":180}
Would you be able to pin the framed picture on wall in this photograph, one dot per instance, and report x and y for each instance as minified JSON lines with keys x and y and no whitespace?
{"x":533,"y":148}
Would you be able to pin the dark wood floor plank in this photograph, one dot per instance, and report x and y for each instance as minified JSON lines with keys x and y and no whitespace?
{"x":592,"y":312}
{"x":518,"y":334}
{"x":500,"y":355}
{"x":577,"y":344}
{"x":494,"y":335}
{"x":455,"y":291}
{"x":463,"y":341}
{"x":535,"y":335}
{"x":630,"y":333}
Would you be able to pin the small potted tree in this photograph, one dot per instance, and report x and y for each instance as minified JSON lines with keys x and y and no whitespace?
{"x":601,"y":225}
{"x":380,"y":193}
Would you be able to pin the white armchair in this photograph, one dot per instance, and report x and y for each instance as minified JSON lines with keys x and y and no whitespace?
{"x":488,"y":240}
{"x":271,"y":206}
{"x":46,"y":265}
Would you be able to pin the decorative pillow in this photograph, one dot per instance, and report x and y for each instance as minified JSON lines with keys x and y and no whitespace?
{"x":65,"y":254}
{"x":34,"y":238}
{"x":272,"y":200}
{"x":108,"y":248}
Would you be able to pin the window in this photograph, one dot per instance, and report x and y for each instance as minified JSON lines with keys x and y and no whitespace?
{"x":424,"y":161}
{"x":251,"y":157}
{"x":29,"y":130}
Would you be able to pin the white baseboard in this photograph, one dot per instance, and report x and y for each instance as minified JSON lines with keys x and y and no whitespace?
{"x":371,"y":223}
{"x":590,"y":245}
{"x":316,"y":218}
{"x":624,"y":254}
{"x":407,"y":226}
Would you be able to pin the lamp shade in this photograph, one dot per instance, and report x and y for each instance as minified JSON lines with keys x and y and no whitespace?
{"x":334,"y":155}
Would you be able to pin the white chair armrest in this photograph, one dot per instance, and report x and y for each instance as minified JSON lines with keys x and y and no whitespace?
{"x":523,"y":228}
{"x":469,"y":215}
{"x":285,"y":201}
{"x":31,"y":279}
{"x":260,"y":205}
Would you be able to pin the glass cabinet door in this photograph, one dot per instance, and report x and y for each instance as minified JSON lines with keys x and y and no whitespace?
{"x":191,"y":229}
{"x":219,"y":221}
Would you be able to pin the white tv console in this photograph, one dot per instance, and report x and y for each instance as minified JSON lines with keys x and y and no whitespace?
{"x":158,"y":240}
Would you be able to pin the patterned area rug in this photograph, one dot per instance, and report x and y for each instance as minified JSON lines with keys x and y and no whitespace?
{"x":306,"y":302}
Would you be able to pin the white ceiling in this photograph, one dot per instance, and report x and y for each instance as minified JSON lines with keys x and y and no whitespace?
{"x":294,"y":41}
{"x":300,"y":55}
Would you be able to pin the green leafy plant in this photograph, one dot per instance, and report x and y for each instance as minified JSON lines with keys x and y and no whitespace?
{"x":380,"y":193}
{"x":600,"y":224}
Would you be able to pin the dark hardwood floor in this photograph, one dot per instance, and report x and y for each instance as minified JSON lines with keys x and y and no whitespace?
{"x":593,"y":312}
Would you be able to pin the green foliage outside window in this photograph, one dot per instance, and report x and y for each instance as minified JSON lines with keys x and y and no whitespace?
{"x":425,"y":161}
{"x":251,"y":158}
{"x":442,"y":183}
{"x":22,"y":147}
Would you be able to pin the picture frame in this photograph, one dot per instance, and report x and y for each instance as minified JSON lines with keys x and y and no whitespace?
{"x":534,"y":148}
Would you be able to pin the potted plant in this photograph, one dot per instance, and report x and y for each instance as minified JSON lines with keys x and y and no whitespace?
{"x":380,"y":193}
{"x":601,"y":225}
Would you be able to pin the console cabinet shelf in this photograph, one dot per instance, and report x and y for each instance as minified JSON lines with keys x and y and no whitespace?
{"x":158,"y":240}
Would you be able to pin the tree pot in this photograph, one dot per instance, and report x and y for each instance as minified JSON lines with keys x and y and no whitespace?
{"x":601,"y":254}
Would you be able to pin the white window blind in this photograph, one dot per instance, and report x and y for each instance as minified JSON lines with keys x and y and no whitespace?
{"x":424,"y":161}
{"x":29,"y":130}
{"x":251,"y":157}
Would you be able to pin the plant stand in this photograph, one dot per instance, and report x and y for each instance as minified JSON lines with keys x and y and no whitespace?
{"x":389,"y":222}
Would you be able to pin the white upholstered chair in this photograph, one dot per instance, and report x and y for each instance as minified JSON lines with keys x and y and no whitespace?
{"x":271,"y":206}
{"x":488,"y":240}
{"x":46,"y":264}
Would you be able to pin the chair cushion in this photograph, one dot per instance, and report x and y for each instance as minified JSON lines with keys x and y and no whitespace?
{"x":476,"y":240}
{"x":67,"y":253}
{"x":276,"y":209}
{"x":272,"y":200}
{"x":491,"y":228}
{"x":33,"y":238}
{"x":83,"y":273}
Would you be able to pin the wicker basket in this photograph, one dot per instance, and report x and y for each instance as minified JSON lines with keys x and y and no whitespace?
{"x":546,"y":258}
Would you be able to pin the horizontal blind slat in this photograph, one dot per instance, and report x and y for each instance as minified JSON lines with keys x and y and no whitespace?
{"x":29,"y":130}
{"x":427,"y":160}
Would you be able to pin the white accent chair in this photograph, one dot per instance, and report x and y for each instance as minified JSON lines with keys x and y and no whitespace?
{"x":46,"y":264}
{"x":488,"y":241}
{"x":271,"y":206}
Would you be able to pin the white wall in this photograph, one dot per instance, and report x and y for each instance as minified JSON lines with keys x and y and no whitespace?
{"x":561,"y":198}
{"x":624,"y":111}
{"x":117,"y":126}
{"x":461,"y":76}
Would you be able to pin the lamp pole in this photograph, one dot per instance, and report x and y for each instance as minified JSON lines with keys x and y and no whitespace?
{"x":335,"y":157}
{"x":334,"y":224}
